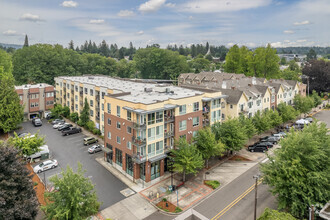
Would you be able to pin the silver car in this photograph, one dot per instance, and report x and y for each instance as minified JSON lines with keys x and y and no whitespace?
{"x":95,"y":148}
{"x":48,"y":164}
{"x":55,"y":126}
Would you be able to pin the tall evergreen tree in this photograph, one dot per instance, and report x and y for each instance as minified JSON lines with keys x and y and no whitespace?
{"x":232,"y":64}
{"x":84,"y":115}
{"x":26,"y":41}
{"x":71,"y":45}
{"x":18,"y":198}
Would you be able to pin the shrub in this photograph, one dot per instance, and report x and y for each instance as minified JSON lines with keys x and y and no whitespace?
{"x":166,"y":210}
{"x":164,"y":199}
{"x":80,"y":123}
{"x":213,"y":183}
{"x":177,"y":210}
{"x":35,"y":183}
{"x":96,"y":131}
{"x":90,"y":125}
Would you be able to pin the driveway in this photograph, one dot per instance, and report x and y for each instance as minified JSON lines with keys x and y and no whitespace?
{"x":68,"y":151}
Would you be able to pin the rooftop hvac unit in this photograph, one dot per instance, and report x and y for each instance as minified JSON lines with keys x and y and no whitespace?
{"x":168,"y":90}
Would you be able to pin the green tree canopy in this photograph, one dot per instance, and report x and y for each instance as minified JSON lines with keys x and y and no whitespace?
{"x":231,"y":134}
{"x":207,"y":145}
{"x":248,"y":125}
{"x":200,"y":64}
{"x":262,"y":121}
{"x":187,"y":158}
{"x":303,"y":104}
{"x":74,"y":116}
{"x":18,"y":198}
{"x":317,"y":99}
{"x":74,"y":196}
{"x":299,"y":172}
{"x":275,"y":118}
{"x":287,"y":112}
{"x":233,"y":58}
{"x":271,"y":214}
{"x":84,"y":114}
{"x":27,"y":145}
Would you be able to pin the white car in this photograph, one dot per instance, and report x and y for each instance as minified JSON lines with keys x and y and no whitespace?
{"x":48,"y":164}
{"x":55,"y":126}
{"x":95,"y":148}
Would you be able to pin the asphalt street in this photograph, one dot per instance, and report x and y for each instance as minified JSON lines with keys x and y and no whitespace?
{"x":68,"y":151}
{"x":323,"y":116}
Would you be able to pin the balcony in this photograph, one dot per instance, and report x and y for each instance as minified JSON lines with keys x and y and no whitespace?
{"x":206,"y":122}
{"x":64,"y":89}
{"x":72,"y":91}
{"x":139,"y":126}
{"x":168,"y":134}
{"x":168,"y":149}
{"x":97,"y":108}
{"x":81,"y":103}
{"x":64,"y":96}
{"x":138,"y":141}
{"x":168,"y":119}
{"x":206,"y":109}
{"x":139,"y":158}
{"x":97,"y":118}
{"x":97,"y":97}
{"x":81,"y":93}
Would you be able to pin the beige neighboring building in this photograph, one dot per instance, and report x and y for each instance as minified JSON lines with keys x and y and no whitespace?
{"x":36,"y":99}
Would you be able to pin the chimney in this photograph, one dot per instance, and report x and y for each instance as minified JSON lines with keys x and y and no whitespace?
{"x":224,"y":85}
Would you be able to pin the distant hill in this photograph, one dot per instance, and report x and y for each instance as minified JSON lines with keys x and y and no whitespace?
{"x":303,"y":50}
{"x":16,"y":46}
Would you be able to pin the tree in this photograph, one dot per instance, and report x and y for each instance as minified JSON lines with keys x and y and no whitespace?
{"x":287,"y":112}
{"x":200,"y":64}
{"x":28,"y":145}
{"x":231,"y":134}
{"x":207,"y":145}
{"x":303,"y":104}
{"x":275,"y":118}
{"x":26,"y":41}
{"x":283,"y":61}
{"x":186,"y":158}
{"x":57,"y":111}
{"x":74,"y":196}
{"x":317,"y":98}
{"x":271,"y":214}
{"x":126,"y":69}
{"x":66,"y":111}
{"x":261,"y":122}
{"x":84,"y":114}
{"x":11,"y":112}
{"x":298,"y":173}
{"x":18,"y":198}
{"x":244,"y":61}
{"x":71,"y":45}
{"x":311,"y":55}
{"x":270,"y":63}
{"x":74,"y":116}
{"x":232,"y":64}
{"x":318,"y":73}
{"x":248,"y":126}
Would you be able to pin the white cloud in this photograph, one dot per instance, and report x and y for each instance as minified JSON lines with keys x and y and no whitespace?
{"x":10,"y":33}
{"x":69,"y":4}
{"x":191,"y":17}
{"x":96,"y":21}
{"x":151,"y":6}
{"x":286,"y":41}
{"x":125,"y":13}
{"x":277,"y":44}
{"x":170,"y":5}
{"x":301,"y":23}
{"x":30,"y":17}
{"x":288,"y":32}
{"x":173,"y":28}
{"x":301,"y":41}
{"x":213,"y":6}
{"x":230,"y":44}
{"x":140,"y":33}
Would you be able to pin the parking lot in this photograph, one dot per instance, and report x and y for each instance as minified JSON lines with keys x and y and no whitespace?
{"x":69,"y":150}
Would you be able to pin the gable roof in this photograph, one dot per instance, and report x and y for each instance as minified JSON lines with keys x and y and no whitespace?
{"x":234,"y":95}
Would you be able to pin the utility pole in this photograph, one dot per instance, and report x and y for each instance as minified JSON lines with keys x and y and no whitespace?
{"x":256,"y":177}
{"x":312,"y":218}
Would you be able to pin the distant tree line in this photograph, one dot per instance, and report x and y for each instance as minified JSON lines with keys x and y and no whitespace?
{"x":303,"y":50}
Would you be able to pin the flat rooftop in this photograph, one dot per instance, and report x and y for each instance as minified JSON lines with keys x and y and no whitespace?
{"x":140,"y":92}
{"x":34,"y":86}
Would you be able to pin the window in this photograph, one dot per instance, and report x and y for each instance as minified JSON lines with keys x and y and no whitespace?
{"x":129,"y":115}
{"x":231,"y":106}
{"x":21,"y":97}
{"x":223,"y":117}
{"x":119,"y":157}
{"x":159,"y":117}
{"x":68,"y":103}
{"x":76,"y":107}
{"x":195,"y":133}
{"x":92,"y":113}
{"x":109,"y":108}
{"x":268,"y":99}
{"x":151,"y":149}
{"x":154,"y":170}
{"x":49,"y":94}
{"x":151,"y":118}
{"x":86,"y":91}
{"x":76,"y":97}
{"x":34,"y":96}
{"x":68,"y":95}
{"x":183,"y":125}
{"x":151,"y":134}
{"x":159,"y":147}
{"x":68,"y":86}
{"x":91,"y":103}
{"x":109,"y":121}
{"x":159,"y":131}
{"x":76,"y":88}
{"x":214,"y":116}
{"x":91,"y":92}
{"x":129,"y":130}
{"x":264,"y":100}
{"x":196,"y":106}
{"x":258,"y":102}
{"x":250,"y":104}
{"x":284,"y":95}
{"x":118,"y":111}
{"x":109,"y":135}
{"x":195,"y":121}
{"x":118,"y":140}
{"x":103,"y":94}
{"x":61,"y":84}
{"x":182,"y":109}
{"x":129,"y":145}
{"x":216,"y":103}
{"x":118,"y":125}
{"x":102,"y":107}
{"x":49,"y":102}
{"x":102,"y":117}
{"x":281,"y":95}
{"x":32,"y":104}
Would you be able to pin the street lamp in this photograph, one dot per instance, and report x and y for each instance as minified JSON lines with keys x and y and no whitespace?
{"x":256,"y":177}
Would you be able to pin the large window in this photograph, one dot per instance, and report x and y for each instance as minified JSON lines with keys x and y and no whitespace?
{"x":91,"y":113}
{"x":109,"y":121}
{"x":86,"y":91}
{"x":129,"y":115}
{"x":129,"y":165}
{"x":183,"y":125}
{"x":155,"y":170}
{"x":159,"y":131}
{"x":129,"y":145}
{"x":76,"y":97}
{"x":195,"y":121}
{"x":118,"y":125}
{"x":159,"y":147}
{"x":118,"y":140}
{"x":109,"y":108}
{"x":216,"y":115}
{"x":129,"y":130}
{"x":151,"y":134}
{"x":109,"y":135}
{"x":91,"y":92}
{"x":151,"y":150}
{"x":118,"y":111}
{"x":91,"y":103}
{"x":159,"y":117}
{"x":182,"y":109}
{"x":151,"y":118}
{"x":216,"y":103}
{"x":196,"y":106}
{"x":119,"y":157}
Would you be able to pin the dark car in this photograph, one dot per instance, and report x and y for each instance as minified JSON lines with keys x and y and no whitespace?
{"x":258,"y":148}
{"x":37,"y":122}
{"x":65,"y":127}
{"x":72,"y":130}
{"x":56,"y":121}
{"x":270,"y":139}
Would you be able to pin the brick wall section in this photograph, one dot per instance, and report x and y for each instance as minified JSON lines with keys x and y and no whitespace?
{"x":190,"y":127}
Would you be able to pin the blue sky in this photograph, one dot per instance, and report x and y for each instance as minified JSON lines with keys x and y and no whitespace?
{"x":220,"y":22}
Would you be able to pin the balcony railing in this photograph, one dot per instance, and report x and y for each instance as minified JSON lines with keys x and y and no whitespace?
{"x":139,"y":158}
{"x":168,"y":134}
{"x":139,"y":126}
{"x":64,"y":89}
{"x":138,"y":141}
{"x":97,"y":97}
{"x":64,"y":96}
{"x":206,"y":122}
{"x":168,"y":149}
{"x":206,"y":110}
{"x":72,"y":91}
{"x":81,"y":103}
{"x":168,"y":119}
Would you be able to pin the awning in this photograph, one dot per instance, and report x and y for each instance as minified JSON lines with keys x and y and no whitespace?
{"x":207,"y":99}
{"x":141,"y":111}
{"x":106,"y":150}
{"x":157,"y":158}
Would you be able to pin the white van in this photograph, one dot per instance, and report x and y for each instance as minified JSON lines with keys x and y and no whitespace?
{"x":43,"y":149}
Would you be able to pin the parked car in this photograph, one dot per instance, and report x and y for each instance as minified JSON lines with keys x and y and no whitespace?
{"x":90,"y":140}
{"x":72,"y":130}
{"x":56,"y":126}
{"x":280,"y":134}
{"x":95,"y":148}
{"x":64,"y":127}
{"x":36,"y":122}
{"x":309,"y":119}
{"x":57,"y":120}
{"x":271,"y":139}
{"x":48,"y":164}
{"x":42,"y":150}
{"x":268,"y":144}
{"x":258,"y":148}
{"x":49,"y":116}
{"x":22,"y":134}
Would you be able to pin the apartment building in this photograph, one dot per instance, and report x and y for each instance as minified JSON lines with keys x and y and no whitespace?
{"x":36,"y":99}
{"x":141,"y":120}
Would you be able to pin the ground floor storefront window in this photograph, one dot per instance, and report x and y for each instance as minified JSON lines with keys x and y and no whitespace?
{"x":119,"y":157}
{"x":110,"y":154}
{"x":155,"y":170}
{"x":143,"y":171}
{"x":129,"y":165}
